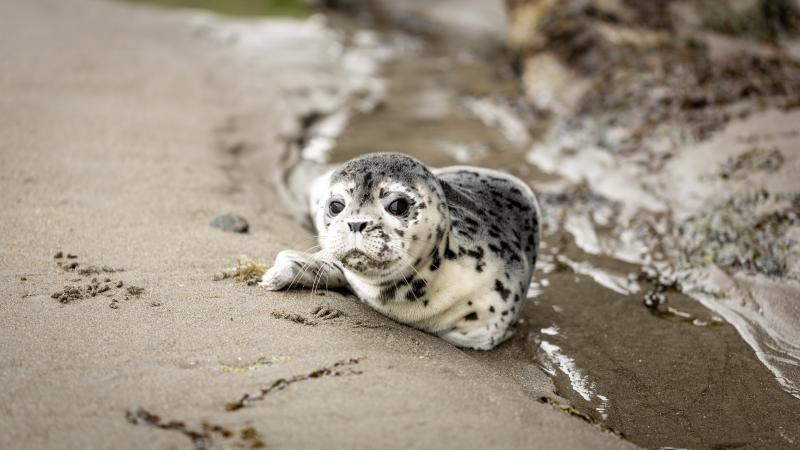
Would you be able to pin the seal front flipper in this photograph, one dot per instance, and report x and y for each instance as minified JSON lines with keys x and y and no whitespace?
{"x":293,"y":269}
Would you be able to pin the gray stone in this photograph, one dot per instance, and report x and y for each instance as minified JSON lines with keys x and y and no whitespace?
{"x":233,"y":223}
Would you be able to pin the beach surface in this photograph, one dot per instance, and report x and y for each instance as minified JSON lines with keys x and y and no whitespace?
{"x":123,"y":132}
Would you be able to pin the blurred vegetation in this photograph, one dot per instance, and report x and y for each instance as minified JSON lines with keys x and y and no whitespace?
{"x":758,"y":19}
{"x":293,"y":8}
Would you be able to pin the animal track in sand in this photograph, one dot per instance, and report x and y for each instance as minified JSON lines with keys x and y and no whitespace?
{"x":321,"y":312}
{"x":327,"y":313}
{"x":291,"y":317}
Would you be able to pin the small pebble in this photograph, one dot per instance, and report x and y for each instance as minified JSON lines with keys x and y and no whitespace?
{"x":59,"y":255}
{"x":219,"y":276}
{"x":230,"y":222}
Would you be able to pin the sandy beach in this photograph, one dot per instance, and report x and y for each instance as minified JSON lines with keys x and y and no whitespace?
{"x":660,"y":138}
{"x":123,"y":132}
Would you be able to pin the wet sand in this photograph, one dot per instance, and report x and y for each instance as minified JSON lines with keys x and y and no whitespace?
{"x":123,"y":132}
{"x":677,"y":377}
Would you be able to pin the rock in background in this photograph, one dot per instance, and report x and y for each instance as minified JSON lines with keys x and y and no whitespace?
{"x":680,"y":118}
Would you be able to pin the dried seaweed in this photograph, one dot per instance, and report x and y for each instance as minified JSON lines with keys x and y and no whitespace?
{"x":203,"y":438}
{"x":247,"y":271}
{"x":337,"y":369}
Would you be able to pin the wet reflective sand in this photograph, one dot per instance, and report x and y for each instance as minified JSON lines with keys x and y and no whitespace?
{"x":677,"y":375}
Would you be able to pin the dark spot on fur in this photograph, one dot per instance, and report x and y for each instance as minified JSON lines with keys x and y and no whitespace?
{"x":437,"y":260}
{"x":501,"y":289}
{"x":477,"y":253}
{"x":417,"y":290}
{"x":471,"y":316}
{"x":388,"y":294}
{"x":440,"y":234}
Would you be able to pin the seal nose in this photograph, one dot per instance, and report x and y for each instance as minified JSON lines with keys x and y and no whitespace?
{"x":357,"y":227}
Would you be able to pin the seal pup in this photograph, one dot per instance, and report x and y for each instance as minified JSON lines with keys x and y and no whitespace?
{"x":449,"y":251}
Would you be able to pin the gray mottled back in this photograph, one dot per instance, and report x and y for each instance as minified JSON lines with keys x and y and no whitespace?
{"x":495,"y":210}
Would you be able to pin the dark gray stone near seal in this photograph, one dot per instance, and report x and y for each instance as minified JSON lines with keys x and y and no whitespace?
{"x":233,"y":223}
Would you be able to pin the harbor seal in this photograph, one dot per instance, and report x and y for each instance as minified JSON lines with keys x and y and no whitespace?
{"x":449,"y":251}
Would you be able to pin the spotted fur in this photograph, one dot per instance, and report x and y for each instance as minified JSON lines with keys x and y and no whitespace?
{"x":457,"y":264}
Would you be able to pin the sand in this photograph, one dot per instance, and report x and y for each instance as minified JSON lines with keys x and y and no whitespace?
{"x":123,"y":132}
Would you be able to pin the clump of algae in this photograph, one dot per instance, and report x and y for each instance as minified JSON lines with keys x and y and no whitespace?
{"x":247,"y":271}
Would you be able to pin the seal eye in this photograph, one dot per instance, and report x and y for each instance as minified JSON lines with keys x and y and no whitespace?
{"x":398,"y":207}
{"x":335,"y":207}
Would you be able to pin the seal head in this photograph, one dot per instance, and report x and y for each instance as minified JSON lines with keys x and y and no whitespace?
{"x":383,"y":214}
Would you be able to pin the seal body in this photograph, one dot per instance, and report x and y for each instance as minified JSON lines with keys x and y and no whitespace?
{"x":449,"y":251}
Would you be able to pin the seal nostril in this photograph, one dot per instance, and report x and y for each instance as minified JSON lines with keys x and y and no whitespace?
{"x":357,"y":227}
